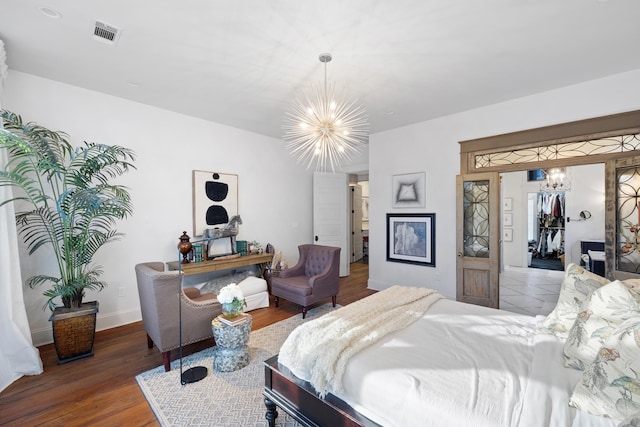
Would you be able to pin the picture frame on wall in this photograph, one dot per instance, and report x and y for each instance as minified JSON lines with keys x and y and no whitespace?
{"x":411,"y":238}
{"x":215,"y":199}
{"x":409,"y":190}
{"x":507,"y":219}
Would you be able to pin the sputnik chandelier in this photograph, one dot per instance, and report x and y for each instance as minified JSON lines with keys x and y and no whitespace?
{"x":321,"y":130}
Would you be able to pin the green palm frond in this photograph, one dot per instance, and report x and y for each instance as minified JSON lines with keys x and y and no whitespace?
{"x":73,"y":207}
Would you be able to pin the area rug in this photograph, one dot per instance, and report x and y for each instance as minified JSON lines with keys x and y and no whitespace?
{"x":222,"y":399}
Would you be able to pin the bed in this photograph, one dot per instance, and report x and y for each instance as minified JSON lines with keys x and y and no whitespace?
{"x":460,"y":364}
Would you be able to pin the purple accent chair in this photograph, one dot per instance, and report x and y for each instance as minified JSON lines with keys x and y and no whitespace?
{"x":316,"y":276}
{"x":158,"y":291}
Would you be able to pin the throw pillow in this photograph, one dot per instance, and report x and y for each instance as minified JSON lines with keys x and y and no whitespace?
{"x":600,"y":314}
{"x":631,"y":421}
{"x":610,"y":386}
{"x":578,"y":283}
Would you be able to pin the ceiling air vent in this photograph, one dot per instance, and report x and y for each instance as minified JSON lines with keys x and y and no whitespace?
{"x":106,"y":33}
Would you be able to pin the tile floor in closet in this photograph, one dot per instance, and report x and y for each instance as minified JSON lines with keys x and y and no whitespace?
{"x":529,"y":291}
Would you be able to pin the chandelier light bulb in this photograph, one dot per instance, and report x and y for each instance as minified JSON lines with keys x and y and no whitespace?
{"x":333,"y":129}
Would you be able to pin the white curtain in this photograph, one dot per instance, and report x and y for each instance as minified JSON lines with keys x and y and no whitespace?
{"x":18,"y":356}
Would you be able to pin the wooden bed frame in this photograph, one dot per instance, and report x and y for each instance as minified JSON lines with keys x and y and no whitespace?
{"x":299,"y":399}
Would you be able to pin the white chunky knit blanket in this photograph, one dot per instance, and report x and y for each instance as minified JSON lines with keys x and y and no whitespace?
{"x":318,"y":351}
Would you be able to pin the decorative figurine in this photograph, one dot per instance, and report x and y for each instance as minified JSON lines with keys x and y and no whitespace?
{"x":185,"y":247}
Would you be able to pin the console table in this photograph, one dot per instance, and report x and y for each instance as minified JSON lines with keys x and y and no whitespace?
{"x":222,"y":264}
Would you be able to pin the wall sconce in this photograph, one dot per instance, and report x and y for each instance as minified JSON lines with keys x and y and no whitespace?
{"x":584,"y":215}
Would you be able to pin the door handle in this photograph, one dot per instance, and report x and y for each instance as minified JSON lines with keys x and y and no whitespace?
{"x":316,"y":238}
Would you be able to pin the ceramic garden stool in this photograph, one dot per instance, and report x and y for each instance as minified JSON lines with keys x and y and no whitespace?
{"x":232,"y":352}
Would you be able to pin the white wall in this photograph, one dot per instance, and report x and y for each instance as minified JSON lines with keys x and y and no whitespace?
{"x":587,"y":193}
{"x":275,"y":194}
{"x":433,"y":147}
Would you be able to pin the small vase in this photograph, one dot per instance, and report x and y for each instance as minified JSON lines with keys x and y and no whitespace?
{"x":229,"y":310}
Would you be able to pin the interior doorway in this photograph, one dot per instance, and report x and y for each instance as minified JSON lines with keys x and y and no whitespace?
{"x":535,"y":290}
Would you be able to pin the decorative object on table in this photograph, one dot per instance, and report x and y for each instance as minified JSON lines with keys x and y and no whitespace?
{"x":222,"y":241}
{"x":234,"y":320}
{"x":411,"y":238}
{"x":255,"y":247}
{"x":184,"y":246}
{"x":232,"y":352}
{"x":232,"y":300}
{"x":198,"y":252}
{"x":68,"y":205}
{"x":215,"y":199}
{"x":242,"y":247}
{"x":322,"y":130}
{"x":409,"y":190}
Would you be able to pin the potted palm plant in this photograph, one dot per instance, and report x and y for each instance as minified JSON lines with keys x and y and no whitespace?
{"x":64,"y":200}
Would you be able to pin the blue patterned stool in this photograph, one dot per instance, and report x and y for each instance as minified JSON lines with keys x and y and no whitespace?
{"x":232,"y":352}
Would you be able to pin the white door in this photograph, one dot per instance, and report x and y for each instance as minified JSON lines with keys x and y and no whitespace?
{"x":356,"y":223}
{"x":330,"y":214}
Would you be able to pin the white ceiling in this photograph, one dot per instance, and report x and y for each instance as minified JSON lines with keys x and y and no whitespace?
{"x":241,"y":62}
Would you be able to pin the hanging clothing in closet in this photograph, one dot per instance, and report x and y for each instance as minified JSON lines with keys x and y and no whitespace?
{"x":550,"y":207}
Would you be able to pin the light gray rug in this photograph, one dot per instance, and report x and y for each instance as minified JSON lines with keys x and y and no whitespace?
{"x":226,"y":399}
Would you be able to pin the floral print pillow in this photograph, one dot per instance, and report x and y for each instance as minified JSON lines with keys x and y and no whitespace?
{"x":578,"y":283}
{"x":610,"y":386}
{"x":631,"y":421}
{"x":599,"y":316}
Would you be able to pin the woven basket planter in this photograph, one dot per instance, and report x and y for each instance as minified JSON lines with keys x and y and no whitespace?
{"x":74,"y":331}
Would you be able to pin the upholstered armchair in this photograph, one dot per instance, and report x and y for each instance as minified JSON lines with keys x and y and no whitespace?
{"x":158,"y":291}
{"x":316,"y":276}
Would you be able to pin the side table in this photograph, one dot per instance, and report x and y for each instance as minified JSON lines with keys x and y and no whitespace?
{"x":232,"y":352}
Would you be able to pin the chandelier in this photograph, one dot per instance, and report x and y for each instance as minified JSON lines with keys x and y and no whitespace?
{"x":321,"y":130}
{"x":555,"y":180}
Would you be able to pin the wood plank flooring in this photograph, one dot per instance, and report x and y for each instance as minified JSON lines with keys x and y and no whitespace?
{"x":102,"y":390}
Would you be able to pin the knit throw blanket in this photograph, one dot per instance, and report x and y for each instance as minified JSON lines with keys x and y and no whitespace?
{"x":318,"y":351}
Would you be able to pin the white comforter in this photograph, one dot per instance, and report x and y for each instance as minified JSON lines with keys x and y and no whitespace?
{"x":465,"y":365}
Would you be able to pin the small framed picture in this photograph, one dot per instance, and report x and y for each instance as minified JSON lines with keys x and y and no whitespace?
{"x":411,"y":238}
{"x":409,"y":190}
{"x":507,"y":219}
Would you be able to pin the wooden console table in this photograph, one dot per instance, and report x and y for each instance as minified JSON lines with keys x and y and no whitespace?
{"x":222,"y":264}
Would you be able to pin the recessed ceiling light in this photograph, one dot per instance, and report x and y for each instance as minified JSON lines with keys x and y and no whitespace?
{"x":49,"y":13}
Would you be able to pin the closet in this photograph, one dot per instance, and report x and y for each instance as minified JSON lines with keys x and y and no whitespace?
{"x":548,"y":245}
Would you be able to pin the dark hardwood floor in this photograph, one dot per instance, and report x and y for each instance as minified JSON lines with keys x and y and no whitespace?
{"x":102,"y":390}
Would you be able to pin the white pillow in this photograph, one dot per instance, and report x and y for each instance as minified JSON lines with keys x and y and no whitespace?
{"x":600,"y":314}
{"x":610,"y":386}
{"x":578,"y":283}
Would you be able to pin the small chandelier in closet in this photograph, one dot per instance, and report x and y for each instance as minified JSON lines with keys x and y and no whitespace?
{"x":556,"y":180}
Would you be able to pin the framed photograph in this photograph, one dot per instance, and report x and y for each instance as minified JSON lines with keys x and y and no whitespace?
{"x":507,"y":219}
{"x":215,"y":199}
{"x":411,"y":238}
{"x":507,"y":204}
{"x":507,"y":234}
{"x":409,"y":190}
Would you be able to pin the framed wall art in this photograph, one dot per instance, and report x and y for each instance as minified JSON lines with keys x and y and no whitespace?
{"x":409,"y":190}
{"x":411,"y":238}
{"x":215,"y":199}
